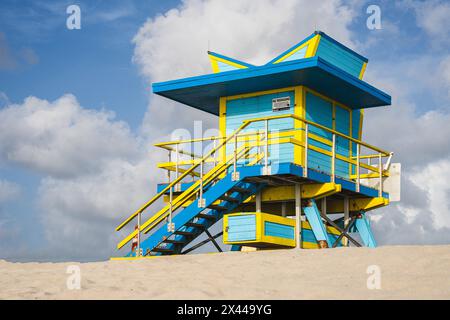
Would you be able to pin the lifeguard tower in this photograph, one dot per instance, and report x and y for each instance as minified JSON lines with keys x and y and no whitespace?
{"x":289,"y":169}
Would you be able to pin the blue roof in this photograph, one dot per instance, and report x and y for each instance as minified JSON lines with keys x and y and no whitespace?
{"x":203,"y":92}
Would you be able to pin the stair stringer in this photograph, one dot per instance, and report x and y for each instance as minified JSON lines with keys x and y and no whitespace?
{"x":210,"y":196}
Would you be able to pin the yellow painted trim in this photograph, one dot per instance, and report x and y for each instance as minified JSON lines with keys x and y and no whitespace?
{"x":370,"y":175}
{"x":330,"y":229}
{"x":307,"y":44}
{"x":259,"y":93}
{"x":260,"y":238}
{"x":215,"y":66}
{"x":357,"y":204}
{"x":343,"y":158}
{"x":309,"y":245}
{"x":303,"y":136}
{"x":298,"y":125}
{"x":287,"y":193}
{"x":312,"y":50}
{"x":363,"y":70}
{"x":350,"y":151}
{"x":164,"y":212}
{"x":223,"y":125}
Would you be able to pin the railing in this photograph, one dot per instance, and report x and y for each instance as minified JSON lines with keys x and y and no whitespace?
{"x":261,"y":139}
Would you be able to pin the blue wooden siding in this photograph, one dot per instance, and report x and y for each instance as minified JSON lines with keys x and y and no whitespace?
{"x":356,"y":116}
{"x":242,"y":228}
{"x":308,"y":236}
{"x":273,"y":229}
{"x":342,"y":125}
{"x":339,"y":57}
{"x":238,"y":110}
{"x":319,"y":111}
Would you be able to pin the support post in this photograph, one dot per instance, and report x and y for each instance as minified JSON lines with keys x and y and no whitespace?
{"x":177,"y":170}
{"x":258,"y":201}
{"x":305,"y":164}
{"x":333,"y":159}
{"x":283,"y":209}
{"x":298,"y":215}
{"x":235,"y":175}
{"x":358,"y":150}
{"x":346,"y":218}
{"x":266,"y":170}
{"x":380,"y":178}
{"x":201,"y":201}
{"x":138,"y":253}
{"x":170,"y":226}
{"x":324,"y":206}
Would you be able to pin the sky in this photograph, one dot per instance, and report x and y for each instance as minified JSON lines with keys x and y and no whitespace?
{"x":78,"y":119}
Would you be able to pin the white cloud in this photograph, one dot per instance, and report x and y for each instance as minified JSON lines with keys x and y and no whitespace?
{"x":433,"y":181}
{"x":175,"y":44}
{"x":94,"y":173}
{"x":62,"y":139}
{"x":79,"y":215}
{"x":432,"y":16}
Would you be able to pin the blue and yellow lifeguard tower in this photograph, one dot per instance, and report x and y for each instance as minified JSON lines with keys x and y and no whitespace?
{"x":289,"y":168}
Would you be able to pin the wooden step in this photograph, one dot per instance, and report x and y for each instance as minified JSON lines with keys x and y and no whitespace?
{"x":184,"y":233}
{"x":194,"y":224}
{"x":206,"y":216}
{"x":217,"y":207}
{"x":229,"y":199}
{"x":240,"y":190}
{"x":162,"y":250}
{"x":174,"y":241}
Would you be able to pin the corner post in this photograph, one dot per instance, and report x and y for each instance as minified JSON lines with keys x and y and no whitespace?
{"x":298,"y":215}
{"x":346,"y":218}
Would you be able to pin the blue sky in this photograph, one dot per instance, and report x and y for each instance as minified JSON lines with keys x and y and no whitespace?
{"x":108,"y":74}
{"x":94,"y":63}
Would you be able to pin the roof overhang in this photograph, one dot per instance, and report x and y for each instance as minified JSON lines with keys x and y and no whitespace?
{"x":203,"y":92}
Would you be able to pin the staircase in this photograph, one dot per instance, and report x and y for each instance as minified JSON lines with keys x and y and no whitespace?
{"x":216,"y":192}
{"x":191,"y":222}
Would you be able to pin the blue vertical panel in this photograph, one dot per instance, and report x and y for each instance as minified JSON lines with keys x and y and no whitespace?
{"x":242,"y":109}
{"x":342,"y":145}
{"x":312,"y":213}
{"x":365,"y":232}
{"x":340,"y":57}
{"x":319,"y":111}
{"x":356,"y":116}
{"x":242,"y":228}
{"x":273,"y":229}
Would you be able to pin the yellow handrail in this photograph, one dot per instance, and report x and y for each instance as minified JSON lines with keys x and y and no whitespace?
{"x":155,"y":219}
{"x":180,"y":200}
{"x":360,"y":142}
{"x":181,"y":177}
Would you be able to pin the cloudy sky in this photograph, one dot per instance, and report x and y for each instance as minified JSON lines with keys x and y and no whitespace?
{"x":77,"y":117}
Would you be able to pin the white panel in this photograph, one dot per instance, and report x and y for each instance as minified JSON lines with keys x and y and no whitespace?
{"x":391,"y":184}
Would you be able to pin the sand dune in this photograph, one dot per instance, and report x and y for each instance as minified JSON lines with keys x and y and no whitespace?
{"x":407,"y":272}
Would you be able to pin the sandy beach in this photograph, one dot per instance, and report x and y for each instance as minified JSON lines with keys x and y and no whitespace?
{"x":406,"y":272}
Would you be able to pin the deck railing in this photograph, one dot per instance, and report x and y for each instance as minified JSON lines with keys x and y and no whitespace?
{"x":242,"y":144}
